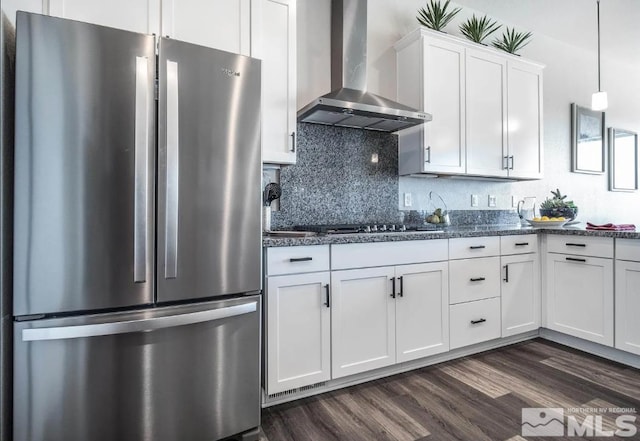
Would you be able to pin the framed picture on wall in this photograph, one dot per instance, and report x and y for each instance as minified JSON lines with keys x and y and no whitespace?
{"x":587,"y":140}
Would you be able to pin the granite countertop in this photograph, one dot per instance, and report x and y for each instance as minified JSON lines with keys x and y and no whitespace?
{"x":447,"y":233}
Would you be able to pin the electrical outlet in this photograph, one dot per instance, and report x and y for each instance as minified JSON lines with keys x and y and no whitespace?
{"x":492,"y":200}
{"x":407,"y":200}
{"x":474,"y":200}
{"x":514,"y":201}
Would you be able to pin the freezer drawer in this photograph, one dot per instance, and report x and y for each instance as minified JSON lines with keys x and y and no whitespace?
{"x":175,"y":373}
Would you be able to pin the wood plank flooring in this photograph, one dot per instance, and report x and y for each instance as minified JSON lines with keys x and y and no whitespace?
{"x":476,"y":398}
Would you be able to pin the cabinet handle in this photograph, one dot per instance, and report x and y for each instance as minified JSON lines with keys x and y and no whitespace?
{"x":477,"y":279}
{"x":300,"y":259}
{"x":505,"y":163}
{"x":428,"y":152}
{"x":573,"y":259}
{"x":569,"y":244}
{"x":512,"y":162}
{"x":328,"y":303}
{"x":475,"y":322}
{"x":506,"y":273}
{"x":522,"y":244}
{"x":393,"y":288}
{"x":401,"y":292}
{"x":477,"y":247}
{"x":293,"y":142}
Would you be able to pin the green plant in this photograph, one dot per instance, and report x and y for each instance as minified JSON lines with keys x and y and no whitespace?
{"x":477,"y":29}
{"x":512,"y":41}
{"x":557,"y":201}
{"x":436,"y":15}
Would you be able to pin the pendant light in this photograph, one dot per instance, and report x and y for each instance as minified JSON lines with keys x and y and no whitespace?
{"x":599,"y":99}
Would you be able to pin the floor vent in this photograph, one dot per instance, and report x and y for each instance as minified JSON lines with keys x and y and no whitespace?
{"x":297,"y":390}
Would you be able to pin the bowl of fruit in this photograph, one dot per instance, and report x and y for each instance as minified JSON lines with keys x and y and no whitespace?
{"x":548,"y":222}
{"x":558,"y":207}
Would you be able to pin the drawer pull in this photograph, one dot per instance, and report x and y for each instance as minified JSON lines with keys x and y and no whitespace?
{"x":477,"y":247}
{"x":393,"y":288}
{"x":477,"y":279}
{"x":573,"y":259}
{"x":328,"y":303}
{"x":300,"y":259}
{"x":475,"y":322}
{"x":400,"y":292}
{"x":522,"y":244}
{"x":506,"y":274}
{"x":569,"y":244}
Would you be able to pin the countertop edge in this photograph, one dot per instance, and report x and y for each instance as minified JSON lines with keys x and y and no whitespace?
{"x":449,"y":233}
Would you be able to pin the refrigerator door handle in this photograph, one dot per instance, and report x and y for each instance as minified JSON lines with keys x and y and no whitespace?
{"x":173,"y":165}
{"x":141,"y":164}
{"x":142,"y":325}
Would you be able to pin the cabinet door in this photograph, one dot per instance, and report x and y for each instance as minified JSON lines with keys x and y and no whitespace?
{"x":220,"y":24}
{"x":422,"y":312}
{"x":520,"y":293}
{"x":273,"y":40}
{"x":141,"y":15}
{"x":627,"y":306}
{"x":297,"y":331}
{"x":486,"y":114}
{"x":524,"y":124}
{"x":579,"y":297}
{"x":362,"y":320}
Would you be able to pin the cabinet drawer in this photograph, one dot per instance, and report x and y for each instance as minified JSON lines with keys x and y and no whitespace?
{"x":520,"y":244}
{"x":580,"y":245}
{"x":628,"y":249}
{"x":291,"y":260}
{"x":474,"y":279}
{"x":363,"y":255}
{"x":474,"y":322}
{"x":466,"y":247}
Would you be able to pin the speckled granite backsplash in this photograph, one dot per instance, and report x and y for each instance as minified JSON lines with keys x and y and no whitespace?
{"x":335,"y":182}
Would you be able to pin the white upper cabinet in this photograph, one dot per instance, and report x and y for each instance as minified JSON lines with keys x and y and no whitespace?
{"x":220,"y":24}
{"x":132,"y":15}
{"x":486,"y":78}
{"x":273,"y":40}
{"x":524,"y":125}
{"x":486,"y":107}
{"x":431,"y":78}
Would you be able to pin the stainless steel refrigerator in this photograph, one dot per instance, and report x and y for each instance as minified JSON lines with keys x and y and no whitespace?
{"x":137,"y":241}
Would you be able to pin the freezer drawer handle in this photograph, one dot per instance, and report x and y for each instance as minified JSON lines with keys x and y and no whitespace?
{"x":141,"y":161}
{"x":142,"y":325}
{"x":173,"y":167}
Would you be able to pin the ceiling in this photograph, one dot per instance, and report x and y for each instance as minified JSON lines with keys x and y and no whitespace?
{"x":573,"y":22}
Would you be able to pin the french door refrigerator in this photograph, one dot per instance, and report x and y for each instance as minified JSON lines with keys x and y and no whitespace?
{"x":137,"y":244}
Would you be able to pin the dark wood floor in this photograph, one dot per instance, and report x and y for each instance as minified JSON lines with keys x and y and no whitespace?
{"x":474,"y":398}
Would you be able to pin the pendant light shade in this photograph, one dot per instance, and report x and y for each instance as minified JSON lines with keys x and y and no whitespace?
{"x":599,"y":100}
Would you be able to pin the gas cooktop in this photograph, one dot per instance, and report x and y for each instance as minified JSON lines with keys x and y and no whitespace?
{"x":364,"y":228}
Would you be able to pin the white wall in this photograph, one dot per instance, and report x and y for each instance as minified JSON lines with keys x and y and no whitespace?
{"x":570,"y":76}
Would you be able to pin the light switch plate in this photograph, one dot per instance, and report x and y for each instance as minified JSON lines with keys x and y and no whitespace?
{"x":407,"y":200}
{"x":492,"y":200}
{"x":474,"y":200}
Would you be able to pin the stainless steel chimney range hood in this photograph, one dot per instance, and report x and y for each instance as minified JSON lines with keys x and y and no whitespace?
{"x":348,"y":104}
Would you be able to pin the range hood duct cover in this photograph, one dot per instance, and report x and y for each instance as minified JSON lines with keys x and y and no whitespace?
{"x":348,"y":104}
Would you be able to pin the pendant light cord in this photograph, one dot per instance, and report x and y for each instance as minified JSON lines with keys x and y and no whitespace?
{"x":599,"y":90}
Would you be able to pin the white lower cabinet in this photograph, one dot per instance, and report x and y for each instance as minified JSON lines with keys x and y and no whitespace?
{"x":474,"y":322}
{"x":579,"y":296}
{"x":520,"y":293}
{"x":627,"y":298}
{"x":363,"y":322}
{"x":382,"y":316}
{"x":298,"y":331}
